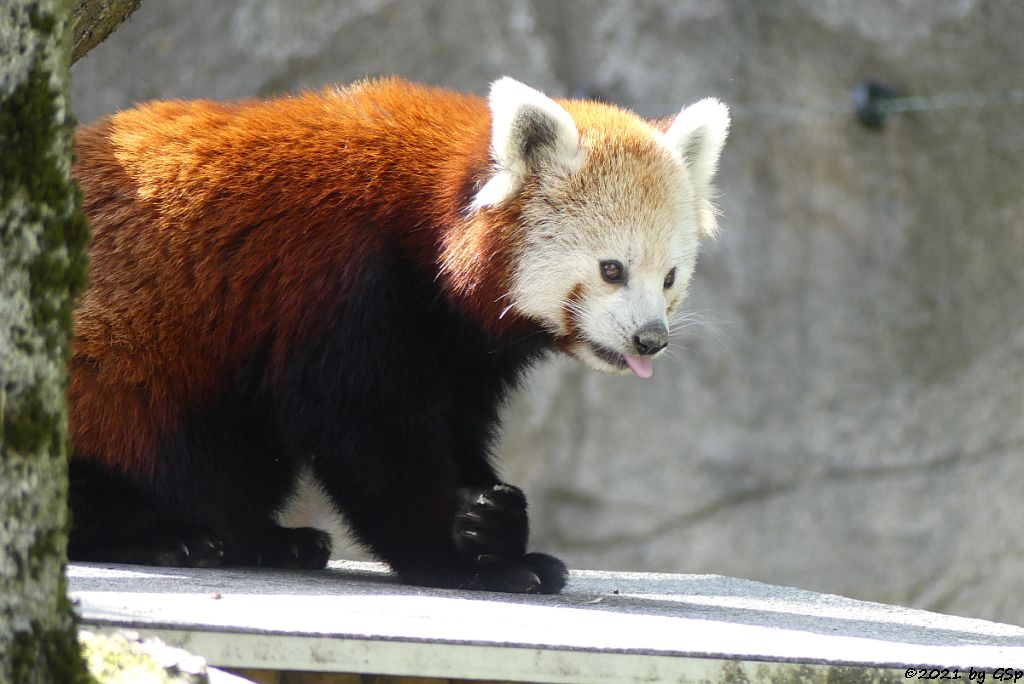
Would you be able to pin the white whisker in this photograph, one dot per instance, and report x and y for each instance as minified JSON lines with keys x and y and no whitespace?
{"x":683,"y":320}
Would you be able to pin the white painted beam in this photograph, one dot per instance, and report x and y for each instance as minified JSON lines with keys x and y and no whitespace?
{"x":606,"y":627}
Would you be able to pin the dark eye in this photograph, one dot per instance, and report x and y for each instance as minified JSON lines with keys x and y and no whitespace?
{"x":670,"y":278}
{"x":612,"y":272}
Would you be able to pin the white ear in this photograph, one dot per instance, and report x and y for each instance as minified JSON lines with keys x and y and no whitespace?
{"x":698,"y":134}
{"x":528,"y":131}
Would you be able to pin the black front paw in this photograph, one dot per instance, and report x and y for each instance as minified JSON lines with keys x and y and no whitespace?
{"x":534,"y":573}
{"x":304,"y":548}
{"x":182,"y":549}
{"x":491,"y":525}
{"x":490,"y":532}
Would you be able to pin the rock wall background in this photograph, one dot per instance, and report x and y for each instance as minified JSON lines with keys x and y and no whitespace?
{"x":852,"y":420}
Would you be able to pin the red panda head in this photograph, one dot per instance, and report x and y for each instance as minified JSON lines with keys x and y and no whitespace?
{"x":611,"y":213}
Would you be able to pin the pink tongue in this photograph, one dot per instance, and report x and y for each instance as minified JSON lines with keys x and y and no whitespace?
{"x":639,"y":365}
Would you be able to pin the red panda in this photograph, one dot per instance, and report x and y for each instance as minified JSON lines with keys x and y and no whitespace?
{"x":352,"y":281}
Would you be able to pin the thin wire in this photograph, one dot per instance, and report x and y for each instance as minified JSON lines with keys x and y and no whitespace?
{"x":835,"y":108}
{"x":931,"y":103}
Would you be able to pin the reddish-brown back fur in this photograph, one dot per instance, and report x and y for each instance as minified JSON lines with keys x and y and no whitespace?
{"x":221,"y":229}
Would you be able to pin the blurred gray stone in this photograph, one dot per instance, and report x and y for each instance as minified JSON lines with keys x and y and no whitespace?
{"x":851,"y":419}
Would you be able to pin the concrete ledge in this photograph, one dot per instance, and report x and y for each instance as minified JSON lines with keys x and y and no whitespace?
{"x":606,"y":627}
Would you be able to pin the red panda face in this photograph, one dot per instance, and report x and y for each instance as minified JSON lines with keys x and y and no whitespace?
{"x":612,"y":212}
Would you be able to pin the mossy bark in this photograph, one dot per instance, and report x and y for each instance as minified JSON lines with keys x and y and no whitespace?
{"x":43,"y":241}
{"x":96,"y":19}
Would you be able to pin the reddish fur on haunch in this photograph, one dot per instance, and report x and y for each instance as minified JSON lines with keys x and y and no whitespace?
{"x":272,"y":202}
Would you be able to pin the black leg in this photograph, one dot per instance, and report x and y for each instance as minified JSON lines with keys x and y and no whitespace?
{"x":406,"y":505}
{"x":114,"y":519}
{"x":395,"y":398}
{"x":201,"y":508}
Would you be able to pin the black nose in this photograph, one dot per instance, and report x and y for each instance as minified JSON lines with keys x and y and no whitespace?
{"x":650,"y":339}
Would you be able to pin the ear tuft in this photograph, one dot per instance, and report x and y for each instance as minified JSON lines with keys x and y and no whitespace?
{"x":529,"y":129}
{"x":698,"y":135}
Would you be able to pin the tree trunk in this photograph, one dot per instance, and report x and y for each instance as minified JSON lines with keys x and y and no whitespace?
{"x":43,"y":238}
{"x":96,"y":19}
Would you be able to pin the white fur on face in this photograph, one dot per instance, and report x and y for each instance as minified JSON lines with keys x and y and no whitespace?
{"x":589,"y":197}
{"x":575,"y":223}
